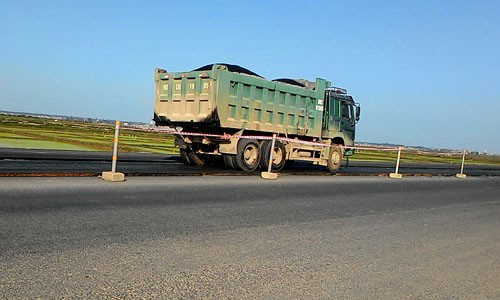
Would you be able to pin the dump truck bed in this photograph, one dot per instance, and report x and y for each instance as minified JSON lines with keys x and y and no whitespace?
{"x":220,"y":99}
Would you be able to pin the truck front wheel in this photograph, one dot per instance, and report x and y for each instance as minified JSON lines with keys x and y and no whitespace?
{"x":334,"y":159}
{"x":248,"y":156}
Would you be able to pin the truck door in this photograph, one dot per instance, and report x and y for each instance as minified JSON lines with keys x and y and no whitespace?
{"x":335,"y":114}
{"x":347,"y":121}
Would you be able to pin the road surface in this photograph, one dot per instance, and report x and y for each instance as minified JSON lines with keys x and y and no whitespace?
{"x":241,"y":237}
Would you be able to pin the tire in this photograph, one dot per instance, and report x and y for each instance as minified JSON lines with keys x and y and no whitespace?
{"x":229,"y":161}
{"x":248,"y":156}
{"x":334,"y":159}
{"x":279,"y":156}
{"x":184,"y":156}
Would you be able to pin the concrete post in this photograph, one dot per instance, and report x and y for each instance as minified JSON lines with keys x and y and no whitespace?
{"x":115,"y":147}
{"x":461,"y":174}
{"x":396,"y":173}
{"x":269,"y":174}
{"x":113,"y":175}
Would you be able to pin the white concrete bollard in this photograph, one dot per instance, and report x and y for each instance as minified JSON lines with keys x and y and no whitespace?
{"x":461,"y":174}
{"x":269,"y":174}
{"x":396,"y":175}
{"x":112,"y":175}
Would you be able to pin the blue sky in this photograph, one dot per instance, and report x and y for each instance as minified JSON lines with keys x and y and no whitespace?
{"x":425,"y":72}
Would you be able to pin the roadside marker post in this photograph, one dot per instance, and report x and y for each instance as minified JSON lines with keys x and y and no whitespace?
{"x":112,"y":175}
{"x":461,"y":174}
{"x":269,"y":174}
{"x":396,"y":175}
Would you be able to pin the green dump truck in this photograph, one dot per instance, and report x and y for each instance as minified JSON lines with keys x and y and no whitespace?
{"x":229,"y":112}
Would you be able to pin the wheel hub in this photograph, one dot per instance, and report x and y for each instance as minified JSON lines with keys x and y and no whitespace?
{"x":251,"y":154}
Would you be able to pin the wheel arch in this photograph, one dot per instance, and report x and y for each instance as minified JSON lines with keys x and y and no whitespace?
{"x":338,"y":141}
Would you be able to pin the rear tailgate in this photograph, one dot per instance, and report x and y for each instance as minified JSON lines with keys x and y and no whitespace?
{"x":184,"y":97}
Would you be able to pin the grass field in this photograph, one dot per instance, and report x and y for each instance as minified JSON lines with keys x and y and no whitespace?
{"x":47,"y":133}
{"x":44,"y":133}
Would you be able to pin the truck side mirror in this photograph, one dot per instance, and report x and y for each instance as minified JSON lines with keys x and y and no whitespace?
{"x":358,"y":111}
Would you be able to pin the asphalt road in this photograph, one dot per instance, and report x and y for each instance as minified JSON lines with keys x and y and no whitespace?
{"x":227,"y":237}
{"x":77,"y":163}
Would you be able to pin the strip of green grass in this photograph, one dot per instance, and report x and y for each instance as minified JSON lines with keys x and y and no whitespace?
{"x":34,"y":144}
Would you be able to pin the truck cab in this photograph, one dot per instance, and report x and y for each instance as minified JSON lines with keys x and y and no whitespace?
{"x":340,"y":117}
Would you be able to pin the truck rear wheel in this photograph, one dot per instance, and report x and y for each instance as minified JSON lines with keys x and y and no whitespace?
{"x":279,"y":156}
{"x":248,"y":156}
{"x":334,"y":159}
{"x":229,"y":161}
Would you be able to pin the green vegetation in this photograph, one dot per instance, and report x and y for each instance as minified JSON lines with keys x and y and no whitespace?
{"x":48,"y":133}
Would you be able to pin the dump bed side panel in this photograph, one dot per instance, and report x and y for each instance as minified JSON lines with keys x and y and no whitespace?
{"x":257,"y":104}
